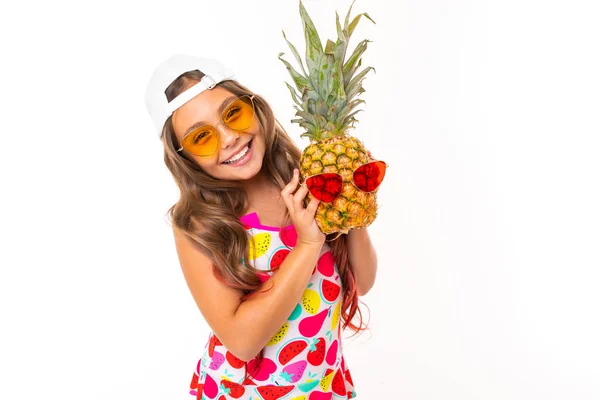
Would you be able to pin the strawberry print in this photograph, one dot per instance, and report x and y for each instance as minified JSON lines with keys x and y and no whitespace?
{"x":232,"y":389}
{"x":294,"y":372}
{"x":303,"y":359}
{"x":217,"y":360}
{"x":316,"y":353}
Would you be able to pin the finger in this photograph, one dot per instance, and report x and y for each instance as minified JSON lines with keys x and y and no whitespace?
{"x":298,"y":198}
{"x":286,"y":193}
{"x":290,"y":187}
{"x":311,"y":209}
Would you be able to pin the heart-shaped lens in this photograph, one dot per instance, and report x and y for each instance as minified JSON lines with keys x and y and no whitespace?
{"x":325,"y":187}
{"x":369,"y":176}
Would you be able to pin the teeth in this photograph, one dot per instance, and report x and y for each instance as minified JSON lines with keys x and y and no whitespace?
{"x":239,"y":155}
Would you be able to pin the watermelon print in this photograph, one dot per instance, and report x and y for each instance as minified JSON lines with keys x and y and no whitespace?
{"x":274,"y":392}
{"x":329,"y":290}
{"x":305,"y":360}
{"x":234,"y":361}
{"x":277,"y":258}
{"x":291,"y":350}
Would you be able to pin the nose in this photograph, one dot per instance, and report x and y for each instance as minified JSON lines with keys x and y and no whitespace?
{"x":228,"y":136}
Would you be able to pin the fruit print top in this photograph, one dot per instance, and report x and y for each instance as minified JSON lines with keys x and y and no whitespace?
{"x":303,"y":360}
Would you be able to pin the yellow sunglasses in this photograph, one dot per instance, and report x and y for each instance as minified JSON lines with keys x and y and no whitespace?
{"x":204,"y":141}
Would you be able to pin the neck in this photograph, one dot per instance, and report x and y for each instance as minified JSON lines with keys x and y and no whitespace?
{"x":262,"y":193}
{"x":257,"y":185}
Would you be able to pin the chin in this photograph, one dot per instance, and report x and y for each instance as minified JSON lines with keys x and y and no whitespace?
{"x":248,"y":170}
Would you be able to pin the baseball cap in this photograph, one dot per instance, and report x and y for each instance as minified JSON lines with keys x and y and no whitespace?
{"x":170,"y":69}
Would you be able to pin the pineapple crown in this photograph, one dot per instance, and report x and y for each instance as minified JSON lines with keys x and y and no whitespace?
{"x":326,"y":96}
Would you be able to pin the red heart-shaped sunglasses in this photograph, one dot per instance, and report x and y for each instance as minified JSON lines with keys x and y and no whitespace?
{"x":327,"y":186}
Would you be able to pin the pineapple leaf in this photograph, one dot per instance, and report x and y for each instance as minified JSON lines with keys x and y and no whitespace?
{"x":299,"y":80}
{"x":329,"y":47}
{"x":357,"y":90}
{"x":356,"y":80}
{"x":314,"y":75}
{"x":351,"y":64}
{"x":355,"y":103}
{"x":325,"y":79}
{"x":345,"y":114}
{"x":321,"y":121}
{"x":311,"y":136}
{"x":322,"y":108}
{"x":348,"y":19}
{"x":333,"y":112}
{"x":344,"y":128}
{"x":308,"y":117}
{"x":355,"y":22}
{"x":337,"y":74}
{"x":296,"y":54}
{"x":350,"y":117}
{"x":314,"y":46}
{"x":310,"y":94}
{"x":351,"y":73}
{"x":340,"y":31}
{"x":309,"y":105}
{"x":310,"y":128}
{"x":294,"y":94}
{"x":331,"y":128}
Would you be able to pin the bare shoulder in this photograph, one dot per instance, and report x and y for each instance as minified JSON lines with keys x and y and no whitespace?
{"x":216,"y":301}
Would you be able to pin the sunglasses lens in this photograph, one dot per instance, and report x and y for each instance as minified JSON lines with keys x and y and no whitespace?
{"x":325,"y":187}
{"x":369,"y":176}
{"x":239,"y":114}
{"x":201,"y":142}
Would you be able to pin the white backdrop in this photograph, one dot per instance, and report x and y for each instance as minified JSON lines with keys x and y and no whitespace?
{"x":488,"y":238}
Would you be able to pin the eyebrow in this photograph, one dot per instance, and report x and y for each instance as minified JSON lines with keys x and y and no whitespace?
{"x":198,"y":124}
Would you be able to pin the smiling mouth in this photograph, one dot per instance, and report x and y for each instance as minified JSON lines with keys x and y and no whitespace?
{"x":239,"y":155}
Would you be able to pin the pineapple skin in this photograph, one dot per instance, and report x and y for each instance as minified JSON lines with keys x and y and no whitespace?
{"x":353,"y":208}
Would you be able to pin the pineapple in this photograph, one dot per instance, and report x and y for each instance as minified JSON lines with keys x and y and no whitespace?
{"x":325,"y":99}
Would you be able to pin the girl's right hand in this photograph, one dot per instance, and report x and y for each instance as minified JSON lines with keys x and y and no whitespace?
{"x":303,"y":218}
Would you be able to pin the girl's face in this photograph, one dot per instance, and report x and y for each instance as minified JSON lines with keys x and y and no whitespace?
{"x":249,"y":143}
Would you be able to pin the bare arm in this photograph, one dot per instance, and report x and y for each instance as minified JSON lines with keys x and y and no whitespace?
{"x":244,"y":327}
{"x":363,"y":258}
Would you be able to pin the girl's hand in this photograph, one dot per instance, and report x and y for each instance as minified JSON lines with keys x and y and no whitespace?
{"x":302,"y":218}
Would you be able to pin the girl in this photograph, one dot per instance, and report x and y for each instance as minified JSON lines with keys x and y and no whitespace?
{"x":276,"y":304}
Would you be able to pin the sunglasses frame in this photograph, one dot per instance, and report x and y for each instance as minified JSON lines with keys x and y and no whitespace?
{"x":221,"y":120}
{"x":351,"y":181}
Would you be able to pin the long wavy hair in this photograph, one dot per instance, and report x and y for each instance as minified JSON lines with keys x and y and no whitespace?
{"x":209,"y":209}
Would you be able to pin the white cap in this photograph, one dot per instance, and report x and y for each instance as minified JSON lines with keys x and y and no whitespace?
{"x":169,"y":70}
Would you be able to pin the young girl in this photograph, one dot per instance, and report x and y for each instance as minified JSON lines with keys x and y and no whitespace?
{"x":276,"y":304}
